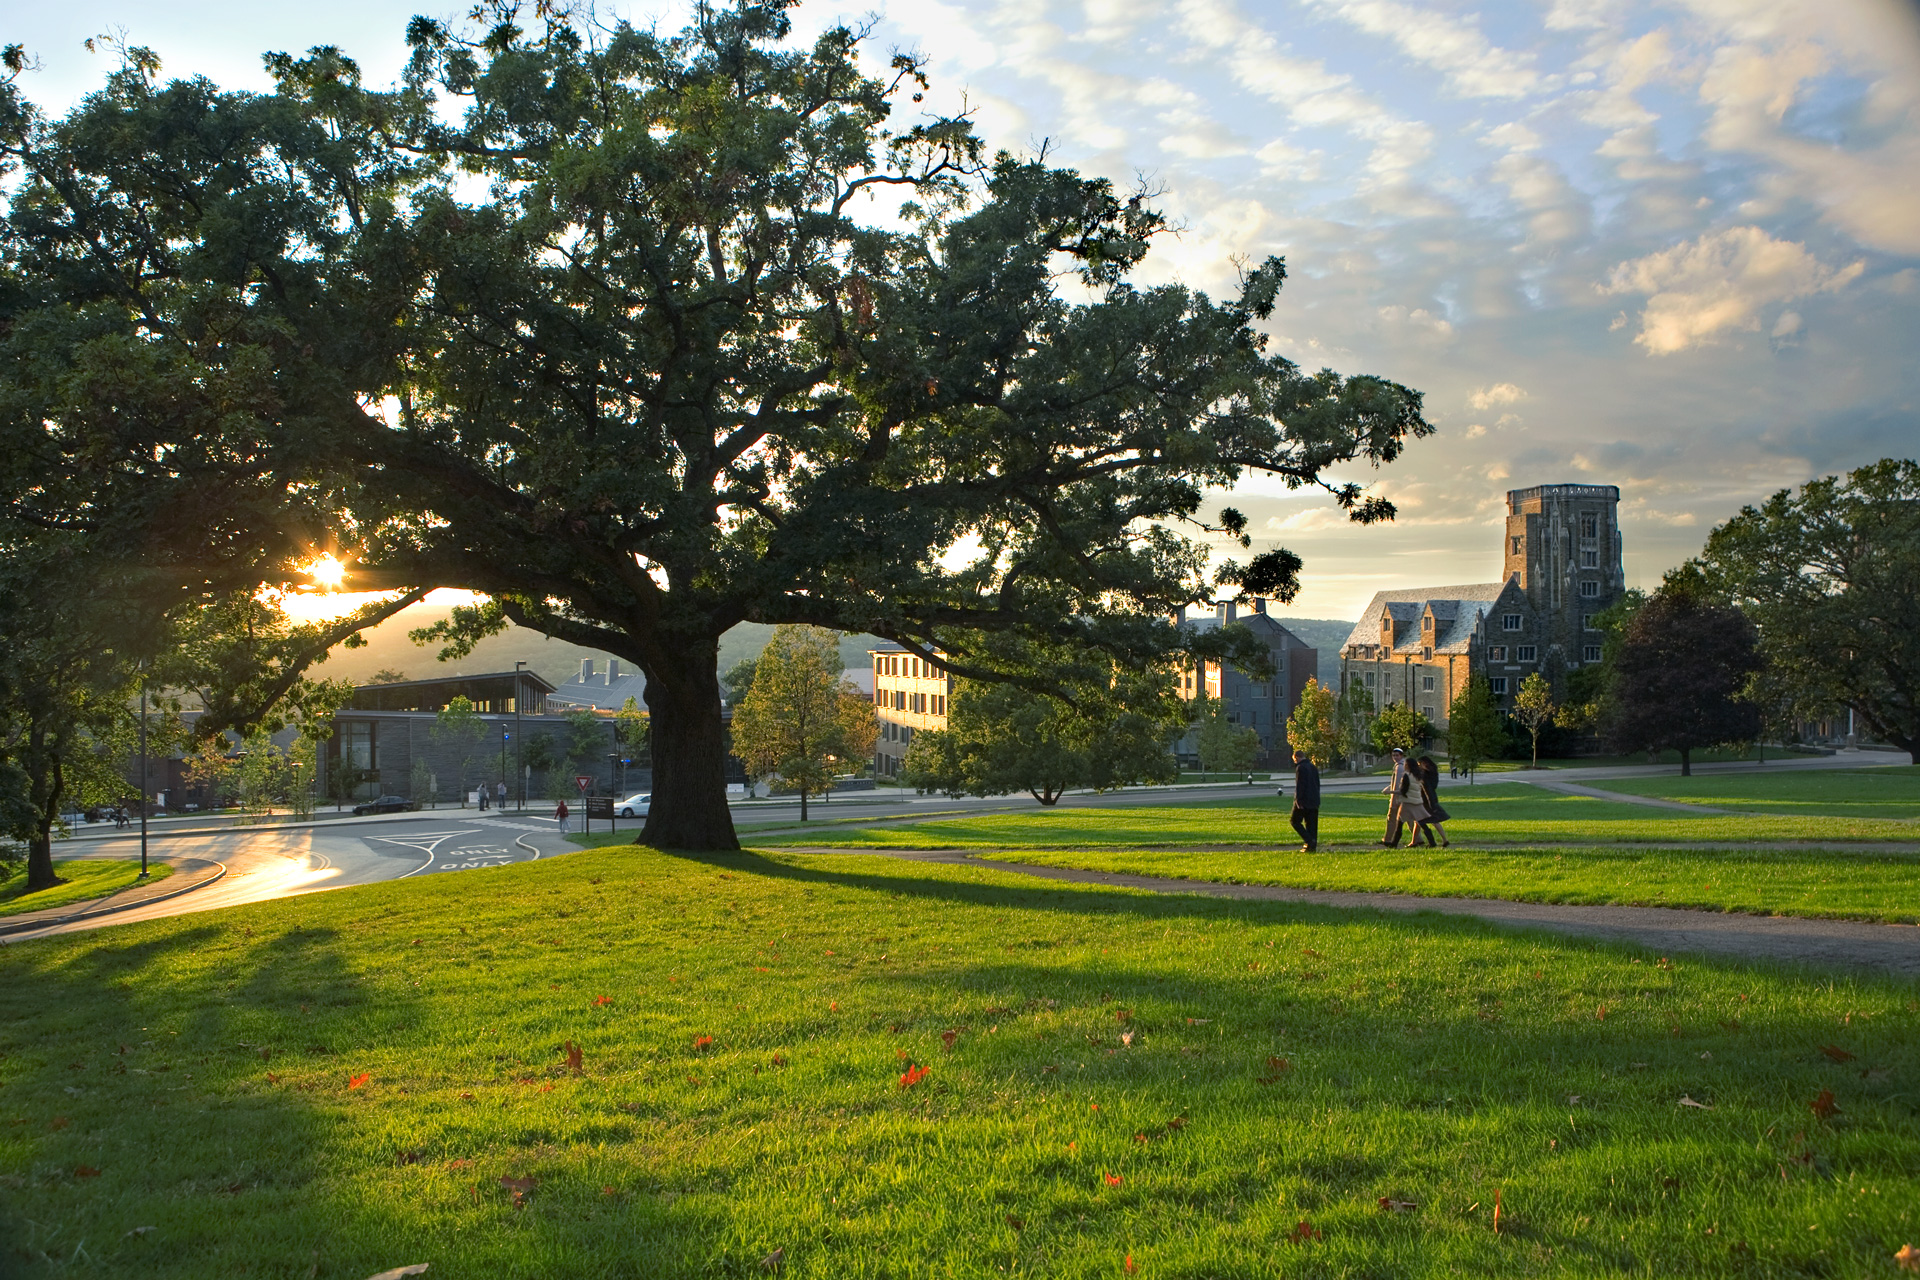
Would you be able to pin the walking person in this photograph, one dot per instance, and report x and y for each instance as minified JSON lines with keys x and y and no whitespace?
{"x":500,"y":794}
{"x":560,"y":814}
{"x":1305,"y":818}
{"x":1429,"y":775}
{"x":1403,"y":799}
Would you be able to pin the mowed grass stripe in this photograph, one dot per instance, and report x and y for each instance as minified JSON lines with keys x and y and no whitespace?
{"x":1315,"y":1061}
{"x":1887,"y":793}
{"x":1507,"y":813}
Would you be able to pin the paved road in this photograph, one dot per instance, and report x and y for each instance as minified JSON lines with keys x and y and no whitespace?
{"x":281,"y":862}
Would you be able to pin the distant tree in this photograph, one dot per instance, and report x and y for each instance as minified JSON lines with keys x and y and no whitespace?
{"x":458,"y":725}
{"x":1474,"y":731}
{"x":1001,"y":739}
{"x":791,"y":725}
{"x":420,"y":782}
{"x":1314,"y":726}
{"x":1830,"y":578}
{"x":586,"y":743}
{"x":738,"y":680}
{"x":1354,"y":713}
{"x":1682,"y":676}
{"x":1223,"y":746}
{"x":1534,"y":709}
{"x":1590,"y":685}
{"x":387,"y":675}
{"x":1402,"y":726}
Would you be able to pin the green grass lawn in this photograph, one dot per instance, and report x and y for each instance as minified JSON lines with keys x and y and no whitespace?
{"x":85,"y":878}
{"x":1883,"y":793}
{"x":1791,"y":882}
{"x":1500,"y":813}
{"x":340,"y":1083}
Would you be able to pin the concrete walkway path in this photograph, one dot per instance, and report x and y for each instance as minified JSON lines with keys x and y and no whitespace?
{"x":1888,"y":949}
{"x":1575,"y":789}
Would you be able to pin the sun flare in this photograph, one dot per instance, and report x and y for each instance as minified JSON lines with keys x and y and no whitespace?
{"x":327,"y":573}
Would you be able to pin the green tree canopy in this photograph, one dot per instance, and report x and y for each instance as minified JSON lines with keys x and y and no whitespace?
{"x":1534,"y":708}
{"x":1474,"y":731}
{"x":1222,"y":745}
{"x":1399,"y":725}
{"x":1000,"y":738}
{"x":1682,"y":674}
{"x":661,"y":377}
{"x":1830,"y":578}
{"x":1314,"y":726}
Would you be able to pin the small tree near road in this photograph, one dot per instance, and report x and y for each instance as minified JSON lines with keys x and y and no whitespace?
{"x":1314,"y":726}
{"x":1474,"y":732}
{"x":1224,"y":747}
{"x":1534,"y":709}
{"x":1399,"y":725}
{"x":1354,"y":713}
{"x":793,"y":724}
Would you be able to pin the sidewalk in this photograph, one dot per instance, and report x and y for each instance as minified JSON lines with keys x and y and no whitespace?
{"x":1890,"y":949}
{"x":188,"y":874}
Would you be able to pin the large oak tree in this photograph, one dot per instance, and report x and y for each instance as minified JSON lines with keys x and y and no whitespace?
{"x":615,"y":329}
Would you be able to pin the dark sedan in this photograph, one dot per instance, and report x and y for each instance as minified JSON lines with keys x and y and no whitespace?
{"x":385,"y":804}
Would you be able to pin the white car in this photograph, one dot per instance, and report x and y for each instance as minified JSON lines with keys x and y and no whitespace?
{"x":635,"y":805}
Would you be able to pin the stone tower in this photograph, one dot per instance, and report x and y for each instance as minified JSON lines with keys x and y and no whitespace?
{"x":1563,"y":547}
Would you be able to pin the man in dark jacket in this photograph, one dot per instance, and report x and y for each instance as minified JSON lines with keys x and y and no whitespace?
{"x":1306,"y":801}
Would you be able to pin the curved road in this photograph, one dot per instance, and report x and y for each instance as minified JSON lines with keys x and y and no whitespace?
{"x":268,"y":862}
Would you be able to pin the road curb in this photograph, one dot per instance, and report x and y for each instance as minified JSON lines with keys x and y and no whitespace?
{"x":44,"y":922}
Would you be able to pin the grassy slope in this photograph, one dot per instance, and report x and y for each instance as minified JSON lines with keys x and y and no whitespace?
{"x":1499,"y":813}
{"x":86,"y":878}
{"x":1427,"y":1059}
{"x":1887,"y":793}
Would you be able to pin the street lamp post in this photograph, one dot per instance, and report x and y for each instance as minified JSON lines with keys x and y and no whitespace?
{"x":143,"y":779}
{"x":519,"y":697}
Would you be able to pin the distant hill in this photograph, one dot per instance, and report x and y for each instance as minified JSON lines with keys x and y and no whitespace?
{"x":388,"y":649}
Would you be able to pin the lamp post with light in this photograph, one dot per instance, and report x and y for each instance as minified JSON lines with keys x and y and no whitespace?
{"x":519,"y":697}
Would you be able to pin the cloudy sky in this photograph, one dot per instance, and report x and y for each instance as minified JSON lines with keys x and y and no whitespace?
{"x":1669,"y":246}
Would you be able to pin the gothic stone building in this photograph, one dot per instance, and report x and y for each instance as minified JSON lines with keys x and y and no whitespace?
{"x":1562,"y":565}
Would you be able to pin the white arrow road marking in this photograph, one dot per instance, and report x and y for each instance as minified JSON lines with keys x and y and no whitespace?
{"x":426,"y":842}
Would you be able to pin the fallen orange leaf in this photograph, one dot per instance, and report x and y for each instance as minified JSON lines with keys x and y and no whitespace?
{"x":1824,"y":1105}
{"x":1835,"y":1052}
{"x":912,"y":1076}
{"x":356,"y":1081}
{"x":1302,"y":1232}
{"x":86,"y":1171}
{"x":1496,"y":1211}
{"x":600,"y":1000}
{"x":1113,"y":1179}
{"x":1908,"y":1259}
{"x":702,"y":1042}
{"x":1130,"y":1268}
{"x":573,"y":1057}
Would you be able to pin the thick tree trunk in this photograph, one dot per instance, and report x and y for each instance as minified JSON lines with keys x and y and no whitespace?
{"x":803,"y":804}
{"x":48,"y":785}
{"x":1686,"y":762}
{"x":689,"y":806}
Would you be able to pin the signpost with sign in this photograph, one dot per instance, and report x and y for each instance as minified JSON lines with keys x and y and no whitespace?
{"x":582,"y":781}
{"x":600,"y":807}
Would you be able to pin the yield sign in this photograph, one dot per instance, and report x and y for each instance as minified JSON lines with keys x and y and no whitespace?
{"x":582,"y":781}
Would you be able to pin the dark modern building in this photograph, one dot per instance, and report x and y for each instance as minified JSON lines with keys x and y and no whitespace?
{"x":1262,"y":705}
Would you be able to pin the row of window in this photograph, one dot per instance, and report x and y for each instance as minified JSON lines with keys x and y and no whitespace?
{"x":904,"y":664}
{"x":917,"y":703}
{"x":897,"y":732}
{"x":1521,"y":653}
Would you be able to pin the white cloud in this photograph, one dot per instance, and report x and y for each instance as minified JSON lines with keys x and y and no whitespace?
{"x":1498,"y":394}
{"x":1475,"y":67}
{"x":1719,"y":282}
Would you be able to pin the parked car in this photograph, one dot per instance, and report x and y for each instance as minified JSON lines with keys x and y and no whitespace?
{"x":385,"y":804}
{"x":635,"y":805}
